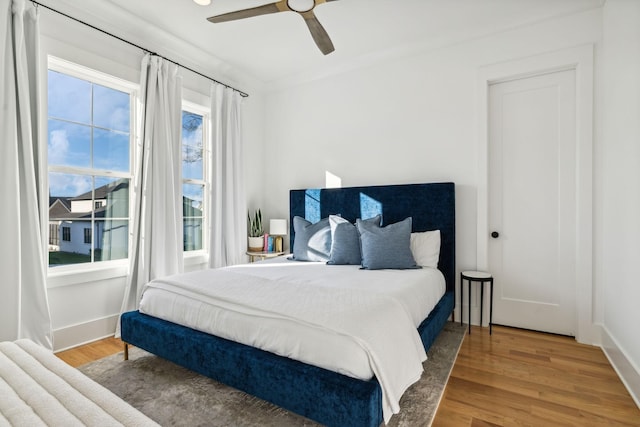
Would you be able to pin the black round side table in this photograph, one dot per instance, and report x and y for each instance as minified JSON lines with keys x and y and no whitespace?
{"x":481,"y":277}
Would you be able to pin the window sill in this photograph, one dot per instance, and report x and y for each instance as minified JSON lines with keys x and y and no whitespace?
{"x":74,"y":275}
{"x":192,"y":258}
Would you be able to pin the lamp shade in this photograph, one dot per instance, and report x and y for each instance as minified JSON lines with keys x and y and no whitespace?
{"x":278,"y":227}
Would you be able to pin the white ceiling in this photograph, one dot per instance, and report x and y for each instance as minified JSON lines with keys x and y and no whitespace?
{"x":278,"y":47}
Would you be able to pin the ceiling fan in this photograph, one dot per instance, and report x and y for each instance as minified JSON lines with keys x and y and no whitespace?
{"x":302,"y":7}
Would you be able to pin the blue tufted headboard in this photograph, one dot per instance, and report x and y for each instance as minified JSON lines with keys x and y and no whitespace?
{"x":431,"y":206}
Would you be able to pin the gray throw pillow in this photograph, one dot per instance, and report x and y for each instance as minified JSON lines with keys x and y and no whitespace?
{"x":386,"y":247}
{"x":345,"y":240}
{"x":312,"y":241}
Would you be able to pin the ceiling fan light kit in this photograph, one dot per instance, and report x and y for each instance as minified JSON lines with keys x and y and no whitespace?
{"x":303,"y":8}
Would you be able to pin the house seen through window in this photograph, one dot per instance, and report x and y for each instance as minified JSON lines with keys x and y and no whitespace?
{"x":89,"y":156}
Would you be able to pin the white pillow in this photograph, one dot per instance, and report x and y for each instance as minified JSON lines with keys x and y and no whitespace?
{"x":425,"y":247}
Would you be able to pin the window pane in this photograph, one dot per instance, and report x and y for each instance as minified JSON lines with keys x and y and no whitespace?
{"x":192,"y":146}
{"x":69,"y":144}
{"x":72,"y":248}
{"x":192,"y":197}
{"x":192,"y":162}
{"x":72,"y":208}
{"x":111,"y":239}
{"x":192,"y":230}
{"x":192,"y":209}
{"x":111,"y":197}
{"x":111,"y":108}
{"x":89,"y":132}
{"x":67,"y":186}
{"x":69,"y":98}
{"x":110,"y":150}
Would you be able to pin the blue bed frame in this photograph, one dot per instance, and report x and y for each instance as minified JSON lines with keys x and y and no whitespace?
{"x":327,"y":397}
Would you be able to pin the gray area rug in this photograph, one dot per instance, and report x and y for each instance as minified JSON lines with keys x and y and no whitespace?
{"x":174,"y":396}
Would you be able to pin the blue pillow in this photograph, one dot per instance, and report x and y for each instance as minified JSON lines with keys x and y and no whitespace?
{"x":312,"y":241}
{"x":345,"y":240}
{"x":386,"y":247}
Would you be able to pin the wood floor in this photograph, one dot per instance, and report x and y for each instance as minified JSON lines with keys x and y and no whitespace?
{"x":524,"y":378}
{"x":88,"y":353}
{"x":511,"y":378}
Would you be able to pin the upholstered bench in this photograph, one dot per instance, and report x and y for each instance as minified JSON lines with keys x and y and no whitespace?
{"x":38,"y":389}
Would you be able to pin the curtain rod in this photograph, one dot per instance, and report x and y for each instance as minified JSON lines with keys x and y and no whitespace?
{"x":243,"y":94}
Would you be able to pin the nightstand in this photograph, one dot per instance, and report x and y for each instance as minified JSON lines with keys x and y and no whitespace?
{"x":263,"y":255}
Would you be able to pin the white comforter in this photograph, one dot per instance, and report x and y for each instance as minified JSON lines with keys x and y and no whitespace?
{"x":357,"y":322}
{"x":38,"y":389}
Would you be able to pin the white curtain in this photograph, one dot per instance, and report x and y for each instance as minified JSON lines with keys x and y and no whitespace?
{"x":24,"y":309}
{"x":157,"y":220}
{"x":228,"y":232}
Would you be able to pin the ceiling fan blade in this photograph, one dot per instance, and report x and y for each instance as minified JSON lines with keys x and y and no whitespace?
{"x":266,"y":9}
{"x":318,"y":33}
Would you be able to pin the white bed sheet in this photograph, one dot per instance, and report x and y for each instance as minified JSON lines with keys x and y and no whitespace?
{"x":418,"y":291}
{"x":415,"y":291}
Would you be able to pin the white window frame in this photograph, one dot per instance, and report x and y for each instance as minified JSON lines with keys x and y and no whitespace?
{"x":111,"y":268}
{"x":201,"y":255}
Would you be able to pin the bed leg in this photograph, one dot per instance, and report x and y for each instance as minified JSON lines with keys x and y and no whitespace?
{"x":126,"y":351}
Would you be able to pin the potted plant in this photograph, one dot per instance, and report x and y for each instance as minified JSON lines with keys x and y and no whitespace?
{"x":255,"y":231}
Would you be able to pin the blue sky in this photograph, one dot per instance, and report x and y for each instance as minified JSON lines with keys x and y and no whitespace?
{"x":192,"y":153}
{"x":88,"y":128}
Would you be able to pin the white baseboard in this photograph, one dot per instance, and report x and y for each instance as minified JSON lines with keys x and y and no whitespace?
{"x":84,"y":333}
{"x":627,"y":371}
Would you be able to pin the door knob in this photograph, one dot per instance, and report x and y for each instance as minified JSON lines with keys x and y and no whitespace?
{"x":495,"y":234}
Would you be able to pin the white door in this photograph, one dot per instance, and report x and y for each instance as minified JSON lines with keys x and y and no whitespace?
{"x":532,"y":202}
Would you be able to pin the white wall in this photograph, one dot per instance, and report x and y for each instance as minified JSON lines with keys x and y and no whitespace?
{"x":415,"y":119}
{"x":84,"y":306}
{"x":410,"y":119}
{"x":620,"y":208}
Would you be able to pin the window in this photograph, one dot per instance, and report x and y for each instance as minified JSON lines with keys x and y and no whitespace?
{"x":90,"y":118}
{"x":194,"y":184}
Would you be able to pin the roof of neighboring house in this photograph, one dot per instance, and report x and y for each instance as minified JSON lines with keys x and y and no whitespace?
{"x":62,"y":200}
{"x":102,"y":192}
{"x":59,"y":206}
{"x":66,"y":216}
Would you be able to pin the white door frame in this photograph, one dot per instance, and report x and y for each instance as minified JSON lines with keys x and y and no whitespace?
{"x":580,"y":59}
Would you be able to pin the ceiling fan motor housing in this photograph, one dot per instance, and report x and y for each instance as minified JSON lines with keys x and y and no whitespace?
{"x":301,"y":6}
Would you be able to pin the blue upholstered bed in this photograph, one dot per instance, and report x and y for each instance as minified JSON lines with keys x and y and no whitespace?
{"x":319,"y":394}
